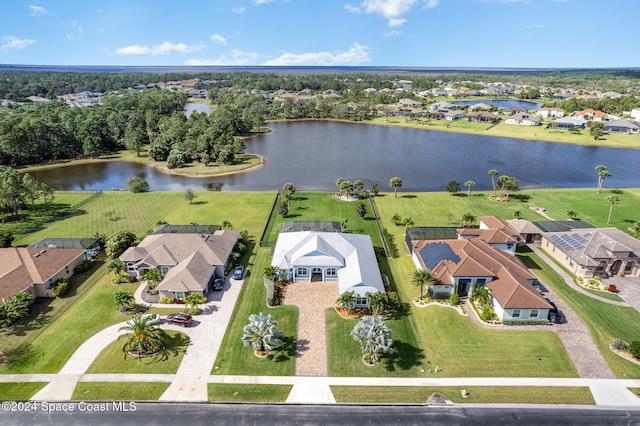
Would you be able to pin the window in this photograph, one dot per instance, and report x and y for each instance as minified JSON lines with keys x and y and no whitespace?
{"x":302,"y":271}
{"x":50,"y":282}
{"x":164,"y":270}
{"x":534,"y":313}
{"x":510,"y":246}
{"x":359,"y":301}
{"x":331,"y":272}
{"x":66,"y":268}
{"x":516,"y":313}
{"x":480,"y":282}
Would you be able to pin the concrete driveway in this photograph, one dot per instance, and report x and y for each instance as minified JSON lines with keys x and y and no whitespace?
{"x":628,"y":289}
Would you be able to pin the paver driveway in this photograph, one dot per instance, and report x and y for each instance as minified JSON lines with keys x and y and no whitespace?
{"x":312,"y":299}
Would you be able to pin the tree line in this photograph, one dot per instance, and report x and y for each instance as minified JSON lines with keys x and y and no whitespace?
{"x":16,"y":190}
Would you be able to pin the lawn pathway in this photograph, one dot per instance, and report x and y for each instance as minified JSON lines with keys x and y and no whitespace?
{"x":312,"y":299}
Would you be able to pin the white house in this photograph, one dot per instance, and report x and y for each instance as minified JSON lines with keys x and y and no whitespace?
{"x":348,"y":259}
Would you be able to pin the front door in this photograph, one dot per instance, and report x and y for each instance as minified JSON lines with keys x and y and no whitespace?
{"x":316,"y":274}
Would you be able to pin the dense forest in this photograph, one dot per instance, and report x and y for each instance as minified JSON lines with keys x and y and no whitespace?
{"x":153,"y":119}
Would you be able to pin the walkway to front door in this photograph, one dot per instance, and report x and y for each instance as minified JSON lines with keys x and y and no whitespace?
{"x":312,"y":299}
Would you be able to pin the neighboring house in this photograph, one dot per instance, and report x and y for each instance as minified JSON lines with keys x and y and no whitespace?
{"x":592,"y":114}
{"x":550,"y":112}
{"x":594,"y":251}
{"x":531,"y":232}
{"x":621,"y":126}
{"x":460,"y":266}
{"x":35,"y":270}
{"x":513,"y":109}
{"x":348,"y":259}
{"x":635,"y":113}
{"x":454,"y":114}
{"x":482,"y":117}
{"x":523,"y":119}
{"x":188,"y":263}
{"x":566,"y":123}
{"x":494,"y":231}
{"x":407,"y":102}
{"x":481,"y":107}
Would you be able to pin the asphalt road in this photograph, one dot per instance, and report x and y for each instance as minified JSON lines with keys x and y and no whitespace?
{"x":122,"y":414}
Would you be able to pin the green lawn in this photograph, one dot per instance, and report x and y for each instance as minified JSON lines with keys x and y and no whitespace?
{"x":477,"y":394}
{"x":118,"y":391}
{"x":233,"y":356}
{"x":112,"y":361}
{"x":606,"y":322}
{"x":21,"y":391}
{"x":219,"y":392}
{"x":502,"y":129}
{"x":60,"y":326}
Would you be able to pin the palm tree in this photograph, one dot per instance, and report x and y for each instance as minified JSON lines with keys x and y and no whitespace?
{"x":261,"y":333}
{"x":422,"y":278}
{"x":602,"y":174}
{"x":346,"y":301}
{"x":192,"y":301}
{"x":123,"y":299}
{"x":146,"y":337}
{"x":395,"y":183}
{"x":613,"y":200}
{"x":288,"y":189}
{"x":493,"y":173}
{"x":376,"y":302}
{"x":226,"y":224}
{"x":373,"y":336}
{"x":358,"y":185}
{"x":153,"y":276}
{"x":339,"y":184}
{"x":115,"y":266}
{"x":467,"y":219}
{"x":469,"y":184}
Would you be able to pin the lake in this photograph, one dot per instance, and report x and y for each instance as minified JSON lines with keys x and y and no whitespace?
{"x":313,"y":154}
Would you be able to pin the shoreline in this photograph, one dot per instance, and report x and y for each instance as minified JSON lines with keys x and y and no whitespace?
{"x":153,"y":164}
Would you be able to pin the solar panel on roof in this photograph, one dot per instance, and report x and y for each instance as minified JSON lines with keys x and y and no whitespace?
{"x":432,"y":254}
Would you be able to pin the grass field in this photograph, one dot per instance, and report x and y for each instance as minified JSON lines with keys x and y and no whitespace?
{"x":477,"y":394}
{"x":219,"y":392}
{"x":21,"y":391}
{"x":112,"y":361}
{"x":114,"y":391}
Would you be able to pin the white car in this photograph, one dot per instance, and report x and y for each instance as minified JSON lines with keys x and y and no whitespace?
{"x":149,"y":318}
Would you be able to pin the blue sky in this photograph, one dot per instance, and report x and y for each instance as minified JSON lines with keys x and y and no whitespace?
{"x":417,"y":33}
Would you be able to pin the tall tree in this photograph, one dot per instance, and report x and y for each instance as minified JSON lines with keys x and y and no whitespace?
{"x":422,"y":278}
{"x":469,"y":184}
{"x":189,"y":195}
{"x":358,"y":185}
{"x":261,"y":333}
{"x":493,"y":173}
{"x":123,"y":299}
{"x":31,"y":189}
{"x":613,"y":200}
{"x":602,"y":174}
{"x":453,"y":187}
{"x":395,"y":183}
{"x":374,"y":337}
{"x":119,"y":242}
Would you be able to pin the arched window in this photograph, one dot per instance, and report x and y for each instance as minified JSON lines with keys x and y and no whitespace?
{"x":302,"y":271}
{"x":628,"y":267}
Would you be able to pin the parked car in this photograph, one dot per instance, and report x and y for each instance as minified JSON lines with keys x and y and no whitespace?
{"x":179,"y":318}
{"x":150,"y":318}
{"x":218,"y":284}
{"x":237,"y":272}
{"x":555,"y":316}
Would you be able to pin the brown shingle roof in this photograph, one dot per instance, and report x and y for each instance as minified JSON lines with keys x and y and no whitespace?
{"x":22,"y":267}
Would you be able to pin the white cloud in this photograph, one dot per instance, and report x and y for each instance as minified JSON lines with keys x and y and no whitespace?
{"x":239,"y":10}
{"x":77,"y":31}
{"x":238,"y":57}
{"x":537,"y":26}
{"x":393,"y":10}
{"x":14,"y":43}
{"x":165,"y":48}
{"x":219,"y":39}
{"x":392,"y":33}
{"x":259,"y":2}
{"x":357,"y":55}
{"x":37,"y":10}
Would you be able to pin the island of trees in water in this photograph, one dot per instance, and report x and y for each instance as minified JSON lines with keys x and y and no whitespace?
{"x":139,"y":111}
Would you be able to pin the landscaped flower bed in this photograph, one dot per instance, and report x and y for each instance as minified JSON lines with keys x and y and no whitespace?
{"x":594,"y":283}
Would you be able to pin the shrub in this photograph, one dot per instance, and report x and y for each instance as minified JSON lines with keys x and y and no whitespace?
{"x":393,"y":300}
{"x":454,"y":299}
{"x":166,"y":300}
{"x":195,"y":311}
{"x":634,"y":348}
{"x":620,"y":345}
{"x":61,"y":287}
{"x":486,"y":314}
{"x":153,"y":292}
{"x":83,"y":267}
{"x":137,"y":185}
